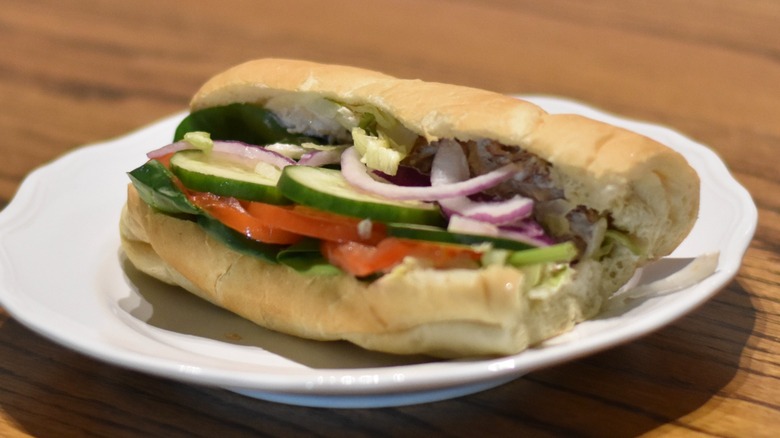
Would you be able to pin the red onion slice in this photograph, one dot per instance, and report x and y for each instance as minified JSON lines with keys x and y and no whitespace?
{"x":527,"y":227}
{"x":293,"y":151}
{"x":405,"y":176}
{"x":356,"y":174}
{"x":321,"y":157}
{"x":459,"y":224}
{"x":498,"y":213}
{"x":243,"y":150}
{"x":251,"y":152}
{"x":542,"y":240}
{"x":169,"y":149}
{"x":450,"y":166}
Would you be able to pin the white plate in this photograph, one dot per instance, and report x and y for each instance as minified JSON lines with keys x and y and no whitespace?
{"x":63,"y":275}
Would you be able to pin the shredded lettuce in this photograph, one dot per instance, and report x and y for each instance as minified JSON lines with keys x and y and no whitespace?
{"x":323,"y":147}
{"x":495,"y":257}
{"x":544,"y":277}
{"x":381,"y":140}
{"x":377,"y":152}
{"x":549,"y":281}
{"x":200,"y":140}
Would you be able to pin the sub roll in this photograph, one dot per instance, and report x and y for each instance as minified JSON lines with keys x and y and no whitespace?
{"x":409,"y":217}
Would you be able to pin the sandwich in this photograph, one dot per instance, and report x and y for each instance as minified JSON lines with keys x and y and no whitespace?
{"x":409,"y":217}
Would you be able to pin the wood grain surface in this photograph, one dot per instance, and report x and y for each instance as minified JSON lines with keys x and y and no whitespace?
{"x":81,"y":71}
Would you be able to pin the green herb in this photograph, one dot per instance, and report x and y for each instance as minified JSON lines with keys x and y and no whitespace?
{"x":247,"y":123}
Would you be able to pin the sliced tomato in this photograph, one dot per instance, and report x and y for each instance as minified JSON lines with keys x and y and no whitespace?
{"x":360,"y":253}
{"x":230,"y":212}
{"x":285,"y":224}
{"x":165,"y":159}
{"x":316,"y":223}
{"x":361,"y":259}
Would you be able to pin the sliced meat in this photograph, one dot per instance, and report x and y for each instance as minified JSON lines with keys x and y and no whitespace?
{"x":561,"y":219}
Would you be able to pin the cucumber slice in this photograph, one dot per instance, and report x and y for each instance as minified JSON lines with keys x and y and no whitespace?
{"x":225,"y":175}
{"x":522,"y":254}
{"x":441,"y":235}
{"x":326,"y":189}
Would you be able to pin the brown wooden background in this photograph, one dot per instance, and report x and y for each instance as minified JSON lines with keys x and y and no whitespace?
{"x":76,"y":72}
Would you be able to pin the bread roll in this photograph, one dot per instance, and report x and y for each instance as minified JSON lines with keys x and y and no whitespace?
{"x":647,"y":190}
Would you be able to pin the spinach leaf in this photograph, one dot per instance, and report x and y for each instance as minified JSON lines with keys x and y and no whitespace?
{"x":155,"y":185}
{"x":243,"y":122}
{"x":237,"y":241}
{"x":306,"y":258}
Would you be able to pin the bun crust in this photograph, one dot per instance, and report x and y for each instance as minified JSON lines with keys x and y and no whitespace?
{"x":650,"y":190}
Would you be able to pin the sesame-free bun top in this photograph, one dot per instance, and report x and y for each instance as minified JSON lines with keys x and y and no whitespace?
{"x":648,"y":190}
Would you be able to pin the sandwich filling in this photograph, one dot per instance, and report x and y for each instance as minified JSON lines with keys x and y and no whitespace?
{"x":325,"y":187}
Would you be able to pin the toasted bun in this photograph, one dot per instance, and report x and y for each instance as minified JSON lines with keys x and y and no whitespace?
{"x":453,"y":313}
{"x":646,"y":189}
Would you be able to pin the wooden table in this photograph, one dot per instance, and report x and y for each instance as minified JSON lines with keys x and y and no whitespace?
{"x":77,"y":72}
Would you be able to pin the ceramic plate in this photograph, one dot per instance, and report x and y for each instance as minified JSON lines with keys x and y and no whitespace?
{"x":63,"y":275}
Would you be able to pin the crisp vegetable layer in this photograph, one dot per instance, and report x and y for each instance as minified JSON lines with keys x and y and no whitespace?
{"x":362,"y":194}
